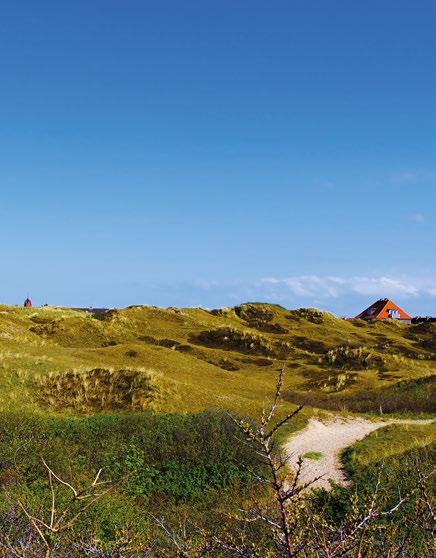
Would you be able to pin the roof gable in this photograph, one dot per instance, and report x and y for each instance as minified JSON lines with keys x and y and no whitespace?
{"x":384,"y":309}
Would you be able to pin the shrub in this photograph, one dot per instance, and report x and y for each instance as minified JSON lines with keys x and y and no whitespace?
{"x":331,"y":383}
{"x":232,"y":338}
{"x":177,"y":456}
{"x":312,"y":315}
{"x":259,"y":317}
{"x":355,"y":358}
{"x":408,"y":395}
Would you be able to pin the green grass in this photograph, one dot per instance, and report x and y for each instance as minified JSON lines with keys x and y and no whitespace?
{"x":315,"y":455}
{"x":391,"y":441}
{"x":225,"y":359}
{"x":135,"y":392}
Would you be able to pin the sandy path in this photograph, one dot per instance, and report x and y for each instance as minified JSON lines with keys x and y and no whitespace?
{"x":330,"y":439}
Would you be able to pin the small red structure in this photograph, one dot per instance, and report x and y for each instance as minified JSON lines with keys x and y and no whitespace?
{"x":384,"y":309}
{"x":27,"y":303}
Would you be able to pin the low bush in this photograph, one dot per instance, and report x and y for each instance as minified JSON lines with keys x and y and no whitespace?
{"x":353,"y":358}
{"x":178,"y":456}
{"x":254,"y":312}
{"x":232,"y":338}
{"x":397,"y":476}
{"x":312,"y":315}
{"x":406,"y":396}
{"x":330,"y":383}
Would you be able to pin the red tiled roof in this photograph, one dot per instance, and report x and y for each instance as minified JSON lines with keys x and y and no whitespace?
{"x":383,"y":309}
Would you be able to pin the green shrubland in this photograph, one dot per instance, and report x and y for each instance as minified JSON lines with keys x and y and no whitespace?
{"x":147,"y":394}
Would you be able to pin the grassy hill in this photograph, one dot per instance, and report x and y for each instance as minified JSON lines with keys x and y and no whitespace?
{"x":77,"y":389}
{"x":63,"y":361}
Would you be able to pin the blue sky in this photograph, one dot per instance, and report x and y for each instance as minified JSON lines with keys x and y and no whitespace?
{"x":209,"y":153}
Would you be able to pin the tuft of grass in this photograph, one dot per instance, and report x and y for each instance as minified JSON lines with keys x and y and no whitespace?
{"x":315,"y":455}
{"x":329,"y":381}
{"x":100,"y":389}
{"x":355,"y":358}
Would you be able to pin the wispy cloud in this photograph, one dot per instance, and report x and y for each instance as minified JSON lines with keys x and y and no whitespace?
{"x":416,"y":217}
{"x":410,"y":176}
{"x":332,"y":287}
{"x":343,"y":295}
{"x":401,"y":177}
{"x":205,"y":284}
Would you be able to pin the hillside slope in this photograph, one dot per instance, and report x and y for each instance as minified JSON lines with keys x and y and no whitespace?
{"x":65,"y":361}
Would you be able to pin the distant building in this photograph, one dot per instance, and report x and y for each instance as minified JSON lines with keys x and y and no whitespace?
{"x":27,"y":303}
{"x":384,"y":309}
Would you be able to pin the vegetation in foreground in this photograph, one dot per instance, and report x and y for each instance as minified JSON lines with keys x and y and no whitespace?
{"x":122,"y":418}
{"x":198,"y":485}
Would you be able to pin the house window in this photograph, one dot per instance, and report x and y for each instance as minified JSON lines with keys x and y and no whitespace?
{"x":394,"y":314}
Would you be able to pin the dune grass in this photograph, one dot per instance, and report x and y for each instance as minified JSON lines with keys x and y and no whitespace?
{"x":393,"y":440}
{"x":226,"y":359}
{"x":100,"y":389}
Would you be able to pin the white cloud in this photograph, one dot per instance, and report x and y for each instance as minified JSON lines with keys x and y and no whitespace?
{"x":416,"y":217}
{"x":384,"y":285}
{"x":333,"y":287}
{"x":308,"y":285}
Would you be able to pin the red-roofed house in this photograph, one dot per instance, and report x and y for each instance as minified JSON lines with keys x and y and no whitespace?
{"x":384,"y":309}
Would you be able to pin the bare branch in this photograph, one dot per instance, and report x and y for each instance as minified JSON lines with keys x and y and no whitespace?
{"x":59,"y":479}
{"x":266,"y":419}
{"x":284,"y":421}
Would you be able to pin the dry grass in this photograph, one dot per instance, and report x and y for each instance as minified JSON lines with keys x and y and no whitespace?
{"x":100,"y":389}
{"x":354,"y":358}
{"x":224,"y":358}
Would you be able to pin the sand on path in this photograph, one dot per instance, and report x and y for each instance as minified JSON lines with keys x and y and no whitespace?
{"x":330,"y":439}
